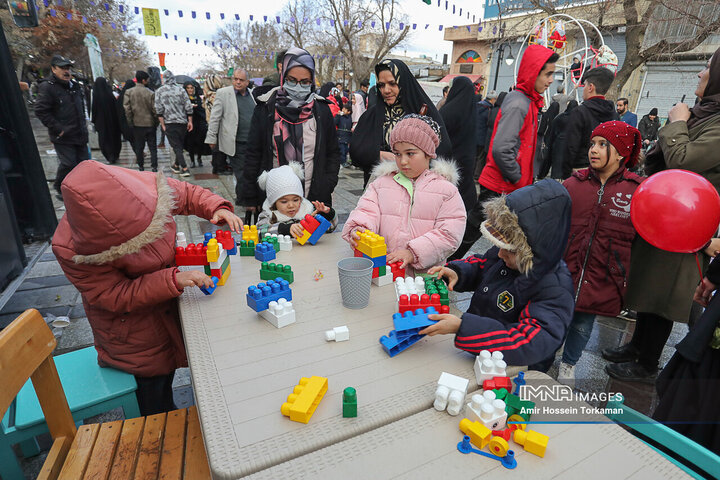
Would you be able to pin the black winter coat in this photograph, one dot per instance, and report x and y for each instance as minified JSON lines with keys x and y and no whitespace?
{"x":61,"y":108}
{"x":583,"y":120}
{"x":483,"y":111}
{"x":259,"y":156}
{"x":649,"y":128}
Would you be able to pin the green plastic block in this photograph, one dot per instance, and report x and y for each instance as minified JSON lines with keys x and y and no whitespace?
{"x":349,"y":402}
{"x":207,"y":270}
{"x":382,"y":270}
{"x":271,"y":271}
{"x":501,"y":393}
{"x":515,"y":406}
{"x":435,"y":285}
{"x":246,"y":248}
{"x":272,"y":241}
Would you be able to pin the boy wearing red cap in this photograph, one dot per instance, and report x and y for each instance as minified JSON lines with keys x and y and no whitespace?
{"x":601,"y":233}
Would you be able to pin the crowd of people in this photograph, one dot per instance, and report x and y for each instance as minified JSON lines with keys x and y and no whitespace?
{"x":564,"y":248}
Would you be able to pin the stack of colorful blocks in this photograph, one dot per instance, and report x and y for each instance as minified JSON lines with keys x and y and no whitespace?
{"x":314,"y":227}
{"x":372,"y":246}
{"x":407,"y":328}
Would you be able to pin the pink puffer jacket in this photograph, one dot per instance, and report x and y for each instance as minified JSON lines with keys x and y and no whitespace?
{"x":429,"y":220}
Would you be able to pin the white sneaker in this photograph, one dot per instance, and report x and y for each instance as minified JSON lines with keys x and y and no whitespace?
{"x":566,"y":374}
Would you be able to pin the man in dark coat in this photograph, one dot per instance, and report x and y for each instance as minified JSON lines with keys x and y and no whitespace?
{"x":594,"y":110}
{"x":649,"y":126}
{"x":61,"y":108}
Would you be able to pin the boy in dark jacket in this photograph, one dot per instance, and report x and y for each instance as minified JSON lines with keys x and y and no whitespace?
{"x":343,"y":123}
{"x":523,"y":300}
{"x":593,"y":111}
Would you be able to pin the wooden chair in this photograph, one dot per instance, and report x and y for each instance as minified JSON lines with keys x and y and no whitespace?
{"x":167,"y":445}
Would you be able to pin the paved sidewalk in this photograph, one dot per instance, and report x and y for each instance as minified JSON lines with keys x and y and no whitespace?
{"x":47,"y":289}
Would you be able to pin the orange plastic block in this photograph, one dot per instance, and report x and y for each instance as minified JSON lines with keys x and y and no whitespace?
{"x":532,"y":441}
{"x":372,"y":244}
{"x":479,"y":434}
{"x":306,"y":396}
{"x":250,"y":233}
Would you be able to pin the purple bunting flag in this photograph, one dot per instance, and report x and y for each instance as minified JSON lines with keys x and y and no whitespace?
{"x":207,"y":15}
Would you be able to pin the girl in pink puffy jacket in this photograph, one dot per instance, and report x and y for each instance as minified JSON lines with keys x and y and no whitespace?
{"x":414,"y":203}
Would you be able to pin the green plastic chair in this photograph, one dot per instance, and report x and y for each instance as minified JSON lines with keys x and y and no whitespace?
{"x":90,"y":390}
{"x":682,"y":446}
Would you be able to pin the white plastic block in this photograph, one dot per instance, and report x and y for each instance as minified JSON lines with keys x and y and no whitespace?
{"x":489,"y":365}
{"x":450,"y":393}
{"x":221,"y":257}
{"x":339,"y":334}
{"x":409,"y":286}
{"x":285,"y":243}
{"x":384,"y":280}
{"x":280,"y":313}
{"x":180,"y":240}
{"x":487,"y":410}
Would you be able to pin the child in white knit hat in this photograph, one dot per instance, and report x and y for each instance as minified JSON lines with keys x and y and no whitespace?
{"x":285,"y":205}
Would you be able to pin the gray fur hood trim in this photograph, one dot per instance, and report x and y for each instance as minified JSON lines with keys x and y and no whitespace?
{"x":155,"y":230}
{"x":504,"y":220}
{"x":445,"y":168}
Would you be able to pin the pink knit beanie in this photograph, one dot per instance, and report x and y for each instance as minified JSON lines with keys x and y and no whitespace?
{"x":421,"y":131}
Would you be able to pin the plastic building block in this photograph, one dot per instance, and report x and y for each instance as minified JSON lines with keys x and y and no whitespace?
{"x":280,"y":313}
{"x":382,"y":280}
{"x":247,"y":248}
{"x":436,"y":285}
{"x":450,"y":393}
{"x":250,"y":233}
{"x":310,"y":223}
{"x":220,"y":270}
{"x":498,"y":446}
{"x":515,"y":406}
{"x":501,"y":393}
{"x":497,"y":383}
{"x":271,"y":271}
{"x":410,"y":323}
{"x":225,"y":276}
{"x":272,"y":240}
{"x":519,"y":381}
{"x":409,"y":286}
{"x":285,"y":243}
{"x":258,"y":297}
{"x":372,"y":244}
{"x":349,"y":403}
{"x":375,"y":272}
{"x":489,"y":365}
{"x":216,"y":254}
{"x":394,"y":345}
{"x":479,"y":434}
{"x":225,"y":238}
{"x":508,"y":461}
{"x":397,"y":272}
{"x":180,"y":240}
{"x":304,"y":237}
{"x":207,"y":237}
{"x":264,"y":252}
{"x":487,"y":410}
{"x":516,"y":421}
{"x":377,"y":261}
{"x":191,"y":255}
{"x":323,"y":226}
{"x":210,"y":290}
{"x":306,"y":396}
{"x":339,"y":334}
{"x":533,"y":442}
{"x":506,"y":434}
{"x":424,"y":301}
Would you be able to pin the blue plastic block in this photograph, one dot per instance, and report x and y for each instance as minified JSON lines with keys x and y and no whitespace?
{"x":410,"y":323}
{"x":208,"y":236}
{"x":265,"y":252}
{"x":210,"y":290}
{"x":377,"y":261}
{"x":519,"y":381}
{"x":508,"y":461}
{"x":259,"y":296}
{"x":233,"y":251}
{"x":320,"y":230}
{"x":394,"y":345}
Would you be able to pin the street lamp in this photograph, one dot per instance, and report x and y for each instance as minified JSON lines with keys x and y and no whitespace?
{"x":509,"y":60}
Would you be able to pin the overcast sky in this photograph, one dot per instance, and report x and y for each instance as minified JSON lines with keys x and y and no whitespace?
{"x":185,"y":57}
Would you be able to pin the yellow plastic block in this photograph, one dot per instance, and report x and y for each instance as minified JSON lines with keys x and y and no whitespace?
{"x":372,"y":244}
{"x":479,"y":434}
{"x":213,"y":250}
{"x":225,"y":276}
{"x":305,"y":237}
{"x":306,"y":396}
{"x":250,"y":233}
{"x":532,"y":441}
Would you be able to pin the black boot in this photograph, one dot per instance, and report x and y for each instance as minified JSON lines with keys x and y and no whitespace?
{"x":625,"y":353}
{"x":631,"y":372}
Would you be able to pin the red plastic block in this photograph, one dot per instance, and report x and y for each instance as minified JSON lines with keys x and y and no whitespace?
{"x":414,"y":302}
{"x":192,"y":255}
{"x":395,"y":268}
{"x":503,"y":433}
{"x":224,"y":237}
{"x":309,"y":223}
{"x":376,"y":272}
{"x":497,"y":383}
{"x":357,"y":253}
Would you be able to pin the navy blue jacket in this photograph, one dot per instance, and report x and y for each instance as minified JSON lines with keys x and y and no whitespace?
{"x":343,"y":123}
{"x":483,"y":111}
{"x":524,"y":317}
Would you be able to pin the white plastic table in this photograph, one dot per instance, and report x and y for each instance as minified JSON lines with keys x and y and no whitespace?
{"x":243,"y":369}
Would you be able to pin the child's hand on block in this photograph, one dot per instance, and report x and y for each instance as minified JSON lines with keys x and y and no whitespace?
{"x":405,"y":256}
{"x":224,"y":215}
{"x":320,"y":207}
{"x":449,"y":274}
{"x":296,"y":230}
{"x":354,"y":238}
{"x":193,"y":278}
{"x":446,"y":324}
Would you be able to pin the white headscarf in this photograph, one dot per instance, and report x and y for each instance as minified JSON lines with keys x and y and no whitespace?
{"x":358,"y":108}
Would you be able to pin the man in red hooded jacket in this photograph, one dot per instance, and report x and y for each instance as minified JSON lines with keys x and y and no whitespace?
{"x":511,"y":151}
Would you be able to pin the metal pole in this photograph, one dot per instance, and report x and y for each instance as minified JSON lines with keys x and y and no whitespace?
{"x":501,"y":50}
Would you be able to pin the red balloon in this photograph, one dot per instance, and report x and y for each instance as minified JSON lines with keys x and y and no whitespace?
{"x":676,"y":210}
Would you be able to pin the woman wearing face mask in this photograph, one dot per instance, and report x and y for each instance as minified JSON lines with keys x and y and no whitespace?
{"x":398,"y":94}
{"x":293,"y":125}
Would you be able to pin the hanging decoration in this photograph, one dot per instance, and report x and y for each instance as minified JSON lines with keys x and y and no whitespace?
{"x":151,"y":21}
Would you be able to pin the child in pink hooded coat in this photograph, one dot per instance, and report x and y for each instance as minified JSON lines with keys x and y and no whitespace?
{"x":414,"y":203}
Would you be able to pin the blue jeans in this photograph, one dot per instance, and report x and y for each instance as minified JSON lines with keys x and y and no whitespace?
{"x":578,"y":335}
{"x":344,"y":149}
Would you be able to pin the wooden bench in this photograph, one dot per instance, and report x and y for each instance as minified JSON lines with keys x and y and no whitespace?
{"x":167,"y":445}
